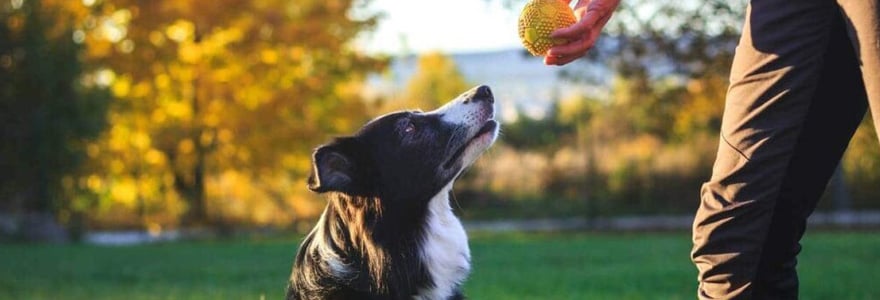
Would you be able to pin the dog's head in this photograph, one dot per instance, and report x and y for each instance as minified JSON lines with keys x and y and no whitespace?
{"x":408,"y":154}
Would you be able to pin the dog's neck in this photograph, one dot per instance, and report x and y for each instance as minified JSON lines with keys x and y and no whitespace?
{"x":445,"y":250}
{"x":376,"y":238}
{"x":380,"y":241}
{"x":384,"y":225}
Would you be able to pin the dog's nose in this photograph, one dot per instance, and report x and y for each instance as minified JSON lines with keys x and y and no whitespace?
{"x":481,"y":93}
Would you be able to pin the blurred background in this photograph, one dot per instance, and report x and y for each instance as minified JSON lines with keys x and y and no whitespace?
{"x":126,"y":122}
{"x":162,"y":115}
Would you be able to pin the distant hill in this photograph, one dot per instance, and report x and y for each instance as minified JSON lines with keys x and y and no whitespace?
{"x":519,"y":80}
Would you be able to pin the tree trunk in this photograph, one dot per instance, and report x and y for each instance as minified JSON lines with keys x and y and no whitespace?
{"x":197,"y":213}
{"x":590,"y":171}
{"x":198,"y":207}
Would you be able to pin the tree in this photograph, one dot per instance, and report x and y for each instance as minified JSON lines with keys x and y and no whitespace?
{"x":212,"y":91}
{"x":544,"y":134}
{"x":47,"y":115}
{"x":436,"y":81}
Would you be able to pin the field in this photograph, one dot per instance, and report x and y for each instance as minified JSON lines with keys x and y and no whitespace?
{"x":834,"y":265}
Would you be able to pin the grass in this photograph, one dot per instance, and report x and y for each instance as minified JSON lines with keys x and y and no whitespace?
{"x":834,"y":265}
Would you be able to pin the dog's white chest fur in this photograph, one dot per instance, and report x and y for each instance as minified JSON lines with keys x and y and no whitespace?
{"x":445,"y":250}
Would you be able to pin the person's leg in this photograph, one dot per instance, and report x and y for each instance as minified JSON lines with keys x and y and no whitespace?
{"x":863,"y":24}
{"x":837,"y":109}
{"x":773,"y":83}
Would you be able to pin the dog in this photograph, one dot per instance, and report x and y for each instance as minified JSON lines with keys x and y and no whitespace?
{"x":388,"y":231}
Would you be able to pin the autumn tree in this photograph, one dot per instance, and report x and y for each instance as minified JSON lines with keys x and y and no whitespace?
{"x":235,"y":92}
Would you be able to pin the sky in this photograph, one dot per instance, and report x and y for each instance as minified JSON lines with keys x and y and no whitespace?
{"x":450,"y":26}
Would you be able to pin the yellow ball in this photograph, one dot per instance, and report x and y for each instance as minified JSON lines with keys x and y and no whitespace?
{"x":538,"y":19}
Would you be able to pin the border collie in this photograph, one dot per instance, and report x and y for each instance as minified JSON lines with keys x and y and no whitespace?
{"x":388,"y":231}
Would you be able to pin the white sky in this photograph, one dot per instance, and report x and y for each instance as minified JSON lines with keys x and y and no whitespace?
{"x":449,"y":26}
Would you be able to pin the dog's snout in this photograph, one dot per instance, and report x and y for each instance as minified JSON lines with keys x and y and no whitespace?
{"x":481,"y":93}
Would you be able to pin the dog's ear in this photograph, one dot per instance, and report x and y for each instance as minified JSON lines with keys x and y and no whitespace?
{"x":336,"y":168}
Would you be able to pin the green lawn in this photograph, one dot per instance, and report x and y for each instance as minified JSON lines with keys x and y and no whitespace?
{"x":834,"y":265}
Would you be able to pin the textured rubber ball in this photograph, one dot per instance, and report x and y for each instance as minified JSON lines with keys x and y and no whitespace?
{"x":538,"y":19}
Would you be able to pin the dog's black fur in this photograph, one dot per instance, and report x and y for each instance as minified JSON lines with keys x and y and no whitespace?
{"x":379,"y":183}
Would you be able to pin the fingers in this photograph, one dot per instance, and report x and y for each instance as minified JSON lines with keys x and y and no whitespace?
{"x":579,"y":29}
{"x":572,"y":48}
{"x":583,"y":34}
{"x":559,"y":61}
{"x":567,"y":53}
{"x":575,"y":48}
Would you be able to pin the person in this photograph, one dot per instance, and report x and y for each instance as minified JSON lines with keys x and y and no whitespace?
{"x":803,"y":75}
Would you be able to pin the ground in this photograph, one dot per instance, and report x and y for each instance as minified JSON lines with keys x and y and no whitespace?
{"x":833,"y":265}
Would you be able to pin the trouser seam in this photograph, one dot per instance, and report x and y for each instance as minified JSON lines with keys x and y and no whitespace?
{"x":740,"y":152}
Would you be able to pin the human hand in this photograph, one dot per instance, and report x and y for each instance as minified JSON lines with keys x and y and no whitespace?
{"x":592,"y":15}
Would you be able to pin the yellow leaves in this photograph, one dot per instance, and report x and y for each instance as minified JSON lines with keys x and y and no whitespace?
{"x":94,"y":183}
{"x":98,"y":49}
{"x":211,"y":120}
{"x":121,"y":17}
{"x":117,"y":166}
{"x":122,"y":139}
{"x":115,"y":27}
{"x":702,"y":106}
{"x":180,"y":31}
{"x":269,"y":56}
{"x":342,"y":124}
{"x":178,"y":109}
{"x":211,"y":44}
{"x":575,"y":109}
{"x":227,"y":35}
{"x":140,"y":140}
{"x":121,"y":87}
{"x":225,"y":136}
{"x":297,"y":53}
{"x":124,"y":191}
{"x":223,"y":74}
{"x":157,"y":38}
{"x":141,"y":89}
{"x":189,"y":52}
{"x":206,"y":138}
{"x":243,"y":155}
{"x":296,"y":162}
{"x":158,"y":116}
{"x":186,"y":146}
{"x":118,"y":138}
{"x":183,"y":75}
{"x":162,"y":81}
{"x":154,"y":157}
{"x":254,"y":98}
{"x":126,"y":46}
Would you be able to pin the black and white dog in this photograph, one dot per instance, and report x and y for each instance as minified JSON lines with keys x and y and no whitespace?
{"x":388,"y":231}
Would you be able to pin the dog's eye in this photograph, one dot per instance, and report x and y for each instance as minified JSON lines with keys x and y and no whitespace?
{"x":410,"y":127}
